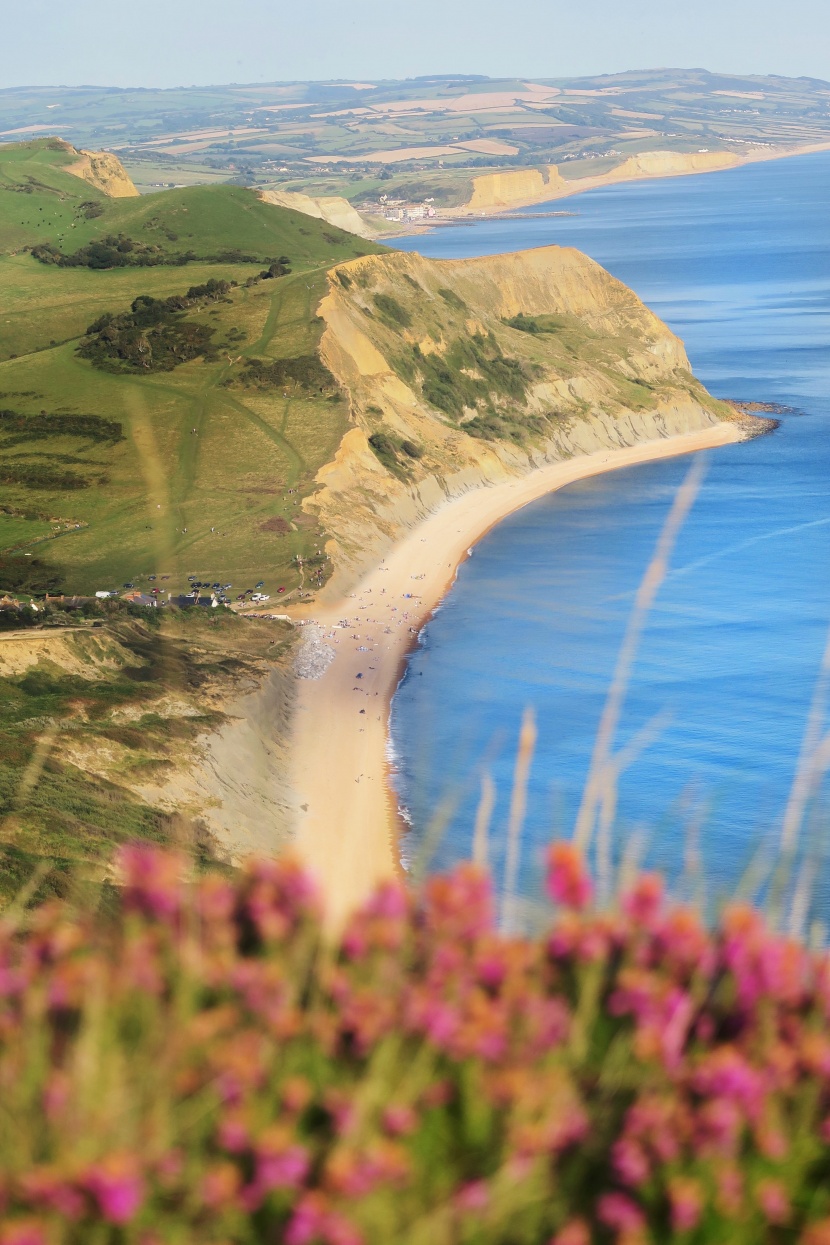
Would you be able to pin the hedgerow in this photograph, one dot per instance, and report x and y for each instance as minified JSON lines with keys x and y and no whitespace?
{"x":192,"y":1060}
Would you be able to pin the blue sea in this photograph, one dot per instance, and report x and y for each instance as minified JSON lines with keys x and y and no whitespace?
{"x":738,"y":264}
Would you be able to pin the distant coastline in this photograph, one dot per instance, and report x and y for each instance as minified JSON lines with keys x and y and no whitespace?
{"x":562,"y":189}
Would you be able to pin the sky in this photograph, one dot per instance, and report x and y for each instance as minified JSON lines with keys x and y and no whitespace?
{"x":165,"y":43}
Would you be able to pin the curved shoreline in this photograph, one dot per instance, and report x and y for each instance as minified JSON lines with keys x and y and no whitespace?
{"x":347,"y":813}
{"x":581,"y":185}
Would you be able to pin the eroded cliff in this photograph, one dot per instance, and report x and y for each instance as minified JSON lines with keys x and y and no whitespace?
{"x":332,"y":209}
{"x":500,"y":190}
{"x":464,"y":373}
{"x":105,"y":172}
{"x":523,"y":187}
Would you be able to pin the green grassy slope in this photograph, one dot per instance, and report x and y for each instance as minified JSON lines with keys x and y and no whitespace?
{"x":146,"y":503}
{"x":93,"y":711}
{"x":39,"y":200}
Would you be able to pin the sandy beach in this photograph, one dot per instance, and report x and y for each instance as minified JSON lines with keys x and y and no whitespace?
{"x":347,"y":819}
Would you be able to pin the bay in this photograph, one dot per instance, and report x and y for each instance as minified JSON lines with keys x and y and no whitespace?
{"x":738,"y":264}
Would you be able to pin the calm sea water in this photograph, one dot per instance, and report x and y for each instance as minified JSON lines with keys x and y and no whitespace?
{"x":738,"y":264}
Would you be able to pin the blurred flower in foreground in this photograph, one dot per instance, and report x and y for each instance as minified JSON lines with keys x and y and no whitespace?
{"x":194,"y":1061}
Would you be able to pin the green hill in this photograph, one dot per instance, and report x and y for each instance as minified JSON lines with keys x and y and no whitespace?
{"x":180,"y":458}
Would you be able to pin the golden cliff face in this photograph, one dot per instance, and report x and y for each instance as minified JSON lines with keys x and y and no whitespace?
{"x":501,"y":190}
{"x":454,"y":396}
{"x":332,"y":209}
{"x":522,"y":187}
{"x":672,"y":164}
{"x":105,"y":172}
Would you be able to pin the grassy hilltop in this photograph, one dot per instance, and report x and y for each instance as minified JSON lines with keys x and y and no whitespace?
{"x":100,"y":468}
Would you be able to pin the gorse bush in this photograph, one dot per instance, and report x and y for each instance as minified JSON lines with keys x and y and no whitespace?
{"x":194,"y":1062}
{"x":119,"y":251}
{"x":154,"y":334}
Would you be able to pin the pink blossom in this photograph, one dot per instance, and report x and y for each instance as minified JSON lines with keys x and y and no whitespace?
{"x":726,"y":1072}
{"x":575,"y":1232}
{"x":399,"y":1119}
{"x":619,"y":1212}
{"x":152,"y":880}
{"x":117,"y":1187}
{"x":568,"y":882}
{"x":45,"y":1187}
{"x":643,"y":902}
{"x":773,"y":1201}
{"x":686,"y":1199}
{"x":473,"y":1197}
{"x":313,"y":1222}
{"x":281,"y":1169}
{"x":631,"y":1163}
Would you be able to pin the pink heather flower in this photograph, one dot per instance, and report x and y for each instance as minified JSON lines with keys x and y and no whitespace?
{"x":568,"y":882}
{"x":279,"y":894}
{"x":686,"y":1200}
{"x":308,"y":1222}
{"x":630,"y":1163}
{"x":460,"y":904}
{"x":719,"y":1124}
{"x":399,"y":1120}
{"x":117,"y":1187}
{"x":643,"y":902}
{"x":24,"y":1232}
{"x":284,"y":1169}
{"x":473,"y":1197}
{"x":232,"y":1134}
{"x":440,"y":1022}
{"x":678,"y":1011}
{"x":45,"y":1188}
{"x":313,"y":1223}
{"x":575,"y":1232}
{"x":390,"y":902}
{"x":491,"y":967}
{"x":725,"y":1072}
{"x":773,"y":1201}
{"x":618,"y":1212}
{"x":152,"y":880}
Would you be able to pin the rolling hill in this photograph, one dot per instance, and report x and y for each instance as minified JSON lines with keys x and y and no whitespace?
{"x":156,"y":465}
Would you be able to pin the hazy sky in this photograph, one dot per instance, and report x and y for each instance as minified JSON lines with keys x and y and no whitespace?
{"x":184,"y":42}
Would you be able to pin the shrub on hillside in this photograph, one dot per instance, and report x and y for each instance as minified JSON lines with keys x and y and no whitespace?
{"x":119,"y":251}
{"x":154,"y":335}
{"x":307,"y":372}
{"x":194,"y":1062}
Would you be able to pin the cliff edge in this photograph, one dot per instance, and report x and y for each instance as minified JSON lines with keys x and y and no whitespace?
{"x":331,"y":209}
{"x":523,"y":187}
{"x":104,"y":171}
{"x":464,"y":373}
